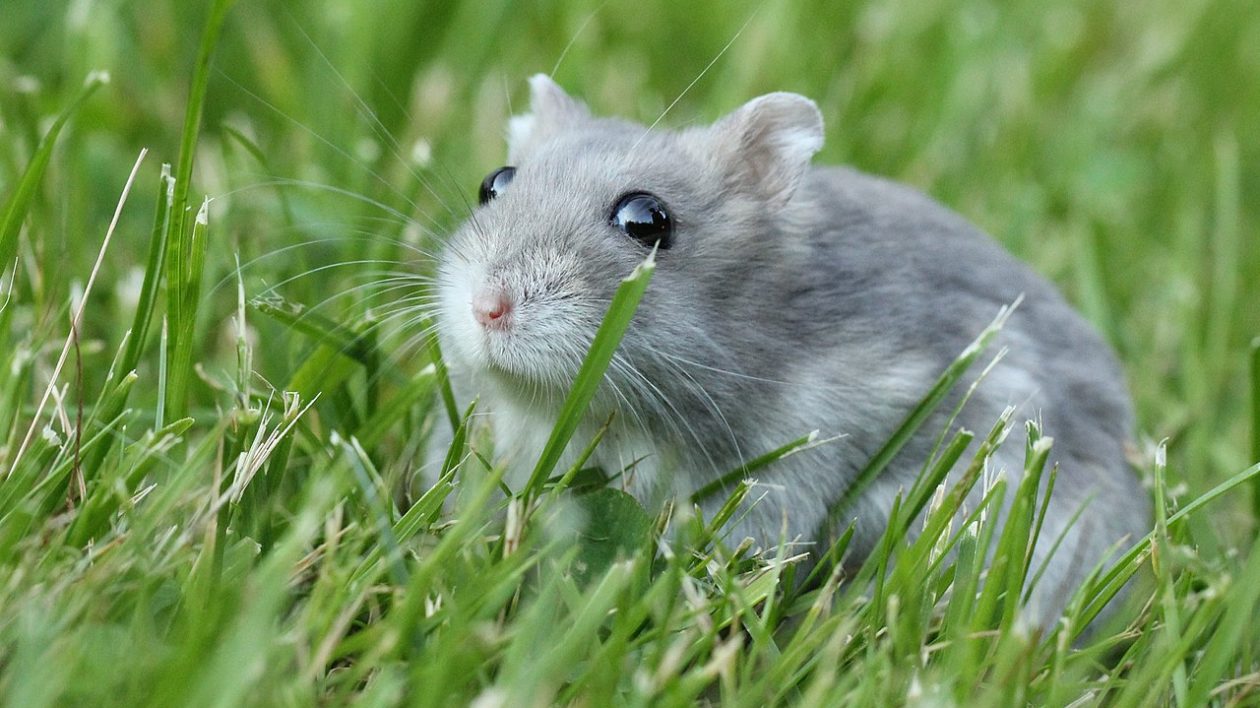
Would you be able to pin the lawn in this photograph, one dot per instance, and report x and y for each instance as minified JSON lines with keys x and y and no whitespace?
{"x":215,"y":220}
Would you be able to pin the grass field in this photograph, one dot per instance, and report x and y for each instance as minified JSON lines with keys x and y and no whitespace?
{"x":201,"y":493}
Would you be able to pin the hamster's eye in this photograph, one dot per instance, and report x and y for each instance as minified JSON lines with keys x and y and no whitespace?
{"x":495,"y":182}
{"x":643,"y":217}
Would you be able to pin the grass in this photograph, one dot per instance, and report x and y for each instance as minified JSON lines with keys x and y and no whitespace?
{"x":212,"y":507}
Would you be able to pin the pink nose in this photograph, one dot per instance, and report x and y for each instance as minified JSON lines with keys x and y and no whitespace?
{"x":492,"y":310}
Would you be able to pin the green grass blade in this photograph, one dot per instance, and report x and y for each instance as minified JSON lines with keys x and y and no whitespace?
{"x":444,"y":383}
{"x":417,"y":389}
{"x":147,"y":303}
{"x":624,"y":303}
{"x":145,"y":307}
{"x":342,"y":339}
{"x":919,"y":415}
{"x":185,"y":251}
{"x":19,"y":202}
{"x":184,"y":291}
{"x":1255,"y":423}
{"x":744,"y":471}
{"x":1164,"y":576}
{"x":1110,"y":583}
{"x":368,"y":478}
{"x":1236,"y":626}
{"x":580,"y":463}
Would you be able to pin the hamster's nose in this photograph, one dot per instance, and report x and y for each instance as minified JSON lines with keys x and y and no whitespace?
{"x":492,"y":309}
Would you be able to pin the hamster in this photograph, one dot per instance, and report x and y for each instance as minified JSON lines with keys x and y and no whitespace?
{"x":786,"y":298}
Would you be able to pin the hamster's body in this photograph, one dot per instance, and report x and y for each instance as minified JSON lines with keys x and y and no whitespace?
{"x":790,"y":299}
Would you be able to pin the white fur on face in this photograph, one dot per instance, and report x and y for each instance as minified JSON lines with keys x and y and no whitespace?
{"x":541,"y":346}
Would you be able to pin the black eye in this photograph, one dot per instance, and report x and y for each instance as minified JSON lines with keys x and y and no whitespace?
{"x":643,"y":217}
{"x":495,"y":182}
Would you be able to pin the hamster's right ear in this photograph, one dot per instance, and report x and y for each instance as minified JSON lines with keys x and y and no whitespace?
{"x":765,"y":145}
{"x":551,"y":112}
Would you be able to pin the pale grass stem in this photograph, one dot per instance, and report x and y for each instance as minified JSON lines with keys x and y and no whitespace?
{"x":78,"y":315}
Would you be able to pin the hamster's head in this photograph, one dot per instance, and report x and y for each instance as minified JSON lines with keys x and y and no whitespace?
{"x":525,"y":282}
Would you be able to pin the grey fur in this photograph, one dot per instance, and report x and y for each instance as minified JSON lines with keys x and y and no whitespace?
{"x":793,"y":299}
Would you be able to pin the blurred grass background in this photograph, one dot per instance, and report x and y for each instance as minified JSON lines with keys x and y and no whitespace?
{"x":1113,"y":145}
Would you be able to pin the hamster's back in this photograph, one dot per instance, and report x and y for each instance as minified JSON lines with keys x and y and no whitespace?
{"x":902,"y":266}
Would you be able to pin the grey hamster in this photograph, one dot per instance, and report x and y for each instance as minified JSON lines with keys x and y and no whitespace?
{"x":786,"y":299}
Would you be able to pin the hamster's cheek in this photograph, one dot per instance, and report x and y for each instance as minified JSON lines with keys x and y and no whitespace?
{"x":460,"y":338}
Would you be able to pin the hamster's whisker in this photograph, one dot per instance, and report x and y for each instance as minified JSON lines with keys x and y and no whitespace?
{"x":660,"y":396}
{"x":674,"y":358}
{"x":627,"y":425}
{"x":370,"y":232}
{"x":659,"y":408}
{"x":371,"y":325}
{"x":395,"y":282}
{"x":622,"y":406}
{"x":572,"y":40}
{"x":699,"y":76}
{"x":362,"y":233}
{"x":407,"y":303}
{"x":432,"y":229}
{"x":630,"y":407}
{"x":414,"y":315}
{"x":709,"y":403}
{"x":410,"y":344}
{"x":374,"y":235}
{"x":236,"y":272}
{"x":377,"y":126}
{"x":374,"y":288}
{"x":330,"y":144}
{"x":327,"y":266}
{"x":454,"y":186}
{"x":344,"y":292}
{"x":312,"y":309}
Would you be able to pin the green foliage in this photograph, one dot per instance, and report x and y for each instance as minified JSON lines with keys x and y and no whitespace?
{"x":219,"y":501}
{"x":588,"y":378}
{"x":19,"y":202}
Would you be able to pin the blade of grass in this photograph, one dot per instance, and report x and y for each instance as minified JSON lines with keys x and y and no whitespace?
{"x":1110,"y":583}
{"x":1255,"y":423}
{"x":746,"y":469}
{"x":114,"y":490}
{"x":153,"y":271}
{"x":78,"y":315}
{"x":426,"y":509}
{"x":184,"y":293}
{"x":145,"y":307}
{"x":344,"y":340}
{"x":567,"y":478}
{"x":624,"y":304}
{"x":367,"y":477}
{"x":1164,"y":576}
{"x":186,"y":252}
{"x":921,"y":493}
{"x":919,"y":415}
{"x":1237,"y":625}
{"x":444,"y":383}
{"x":1022,"y":518}
{"x":19,"y":203}
{"x":417,"y":389}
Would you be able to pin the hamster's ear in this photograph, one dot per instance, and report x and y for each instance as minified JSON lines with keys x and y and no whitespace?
{"x":551,"y":111}
{"x":765,"y":145}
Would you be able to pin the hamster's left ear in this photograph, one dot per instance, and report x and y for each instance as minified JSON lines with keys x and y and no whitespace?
{"x":765,"y":146}
{"x":551,"y":112}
